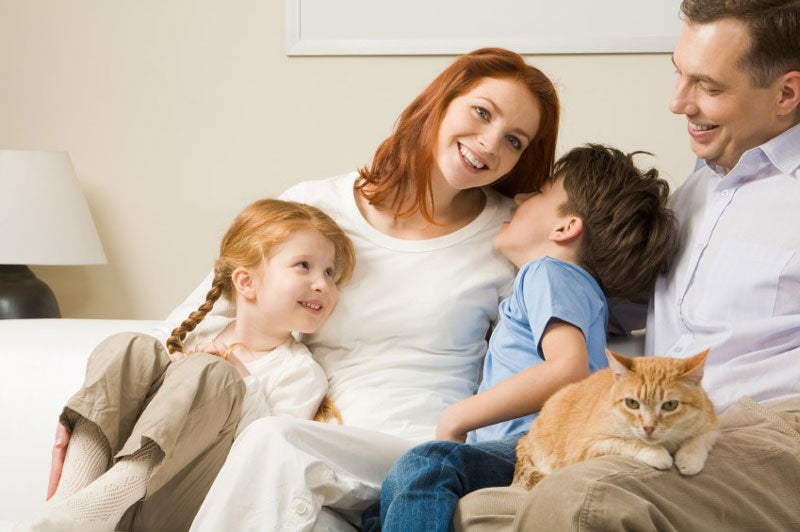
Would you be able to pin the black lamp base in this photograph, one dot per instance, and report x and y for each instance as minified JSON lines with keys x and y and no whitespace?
{"x":23,"y":295}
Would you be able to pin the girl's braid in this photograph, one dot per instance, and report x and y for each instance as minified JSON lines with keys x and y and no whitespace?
{"x":175,"y":341}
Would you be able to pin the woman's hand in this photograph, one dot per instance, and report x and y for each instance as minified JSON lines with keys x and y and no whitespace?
{"x":57,"y":460}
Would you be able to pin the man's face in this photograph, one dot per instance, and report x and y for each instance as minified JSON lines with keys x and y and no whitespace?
{"x":727,"y":114}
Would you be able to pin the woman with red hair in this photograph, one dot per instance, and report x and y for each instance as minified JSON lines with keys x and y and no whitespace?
{"x":409,"y":334}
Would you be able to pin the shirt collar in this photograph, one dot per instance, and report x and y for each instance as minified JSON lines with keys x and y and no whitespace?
{"x":782,"y":152}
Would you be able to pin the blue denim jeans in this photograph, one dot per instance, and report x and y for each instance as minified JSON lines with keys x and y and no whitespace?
{"x":423,"y":487}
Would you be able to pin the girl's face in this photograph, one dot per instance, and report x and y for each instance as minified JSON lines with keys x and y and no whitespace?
{"x":295,"y":288}
{"x":483,"y":133}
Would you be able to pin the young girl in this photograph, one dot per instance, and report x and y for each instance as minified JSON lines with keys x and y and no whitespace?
{"x":166,"y":420}
{"x":409,"y":334}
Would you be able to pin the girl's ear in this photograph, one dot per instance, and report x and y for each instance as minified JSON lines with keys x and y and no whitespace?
{"x":569,"y":228}
{"x":244,"y":282}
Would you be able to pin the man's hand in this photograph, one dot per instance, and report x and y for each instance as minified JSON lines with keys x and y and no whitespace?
{"x":57,"y":460}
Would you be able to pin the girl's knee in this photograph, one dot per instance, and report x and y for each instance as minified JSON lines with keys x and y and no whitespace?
{"x":206,"y":367}
{"x":138,"y":352}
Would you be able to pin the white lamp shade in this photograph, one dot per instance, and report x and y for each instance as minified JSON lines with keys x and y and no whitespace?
{"x":44,"y":218}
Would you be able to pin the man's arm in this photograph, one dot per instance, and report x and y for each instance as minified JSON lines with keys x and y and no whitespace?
{"x":566,"y":361}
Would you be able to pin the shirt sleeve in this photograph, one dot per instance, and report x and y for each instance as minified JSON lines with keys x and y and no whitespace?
{"x":294,"y":390}
{"x":255,"y":404}
{"x":296,"y":193}
{"x":299,"y":389}
{"x":549,"y":293}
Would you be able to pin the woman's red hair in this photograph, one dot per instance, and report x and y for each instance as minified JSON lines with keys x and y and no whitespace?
{"x":402,"y":164}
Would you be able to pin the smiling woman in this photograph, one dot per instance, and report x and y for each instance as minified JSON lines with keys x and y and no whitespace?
{"x":483,"y":133}
{"x":398,"y":350}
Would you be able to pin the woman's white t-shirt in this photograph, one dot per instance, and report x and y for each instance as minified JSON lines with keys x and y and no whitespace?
{"x":408,"y":335}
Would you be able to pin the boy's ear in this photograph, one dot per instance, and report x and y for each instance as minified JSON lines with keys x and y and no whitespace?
{"x":570,"y":228}
{"x":244,"y":282}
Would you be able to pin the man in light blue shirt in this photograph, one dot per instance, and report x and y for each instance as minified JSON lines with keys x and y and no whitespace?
{"x":734,"y":287}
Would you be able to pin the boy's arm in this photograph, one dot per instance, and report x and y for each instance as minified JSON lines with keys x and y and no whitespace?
{"x":566,"y":360}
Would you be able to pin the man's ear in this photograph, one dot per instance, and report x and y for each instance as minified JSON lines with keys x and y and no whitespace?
{"x":570,"y":228}
{"x":789,"y":101}
{"x":244,"y":282}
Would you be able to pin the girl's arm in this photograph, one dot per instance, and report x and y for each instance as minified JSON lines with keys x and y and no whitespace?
{"x":566,"y":361}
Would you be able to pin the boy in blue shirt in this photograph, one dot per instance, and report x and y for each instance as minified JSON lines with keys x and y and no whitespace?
{"x":599,"y":227}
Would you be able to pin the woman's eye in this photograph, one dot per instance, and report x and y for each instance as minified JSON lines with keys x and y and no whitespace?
{"x":483,"y":113}
{"x":329,"y":272}
{"x":514,"y":142}
{"x":669,"y":406}
{"x":632,"y":403}
{"x":302,"y":264}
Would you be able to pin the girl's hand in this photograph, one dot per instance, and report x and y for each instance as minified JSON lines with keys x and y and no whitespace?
{"x":176,"y":356}
{"x":239,"y":365}
{"x":57,"y":460}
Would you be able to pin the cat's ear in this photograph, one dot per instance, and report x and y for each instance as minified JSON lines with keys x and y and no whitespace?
{"x":694,"y":368}
{"x":620,"y":365}
{"x":569,"y":228}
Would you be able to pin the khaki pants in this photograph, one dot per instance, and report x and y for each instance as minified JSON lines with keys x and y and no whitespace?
{"x":190,"y":409}
{"x":751,"y":481}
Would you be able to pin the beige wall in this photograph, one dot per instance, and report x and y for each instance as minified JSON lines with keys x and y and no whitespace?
{"x":178,"y":112}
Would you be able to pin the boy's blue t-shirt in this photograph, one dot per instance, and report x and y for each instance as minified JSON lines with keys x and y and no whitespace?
{"x":544,"y":289}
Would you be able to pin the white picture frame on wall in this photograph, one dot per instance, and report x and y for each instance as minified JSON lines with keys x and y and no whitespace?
{"x":451,"y":27}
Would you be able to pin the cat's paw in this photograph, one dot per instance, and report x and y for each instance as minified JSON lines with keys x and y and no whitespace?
{"x":657,"y":457}
{"x":690,"y":461}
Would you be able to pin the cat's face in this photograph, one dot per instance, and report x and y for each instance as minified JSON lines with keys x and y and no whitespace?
{"x":658,"y":400}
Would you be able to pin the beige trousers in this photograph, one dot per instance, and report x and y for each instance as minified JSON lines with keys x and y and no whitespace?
{"x":189,"y":408}
{"x":751,"y":481}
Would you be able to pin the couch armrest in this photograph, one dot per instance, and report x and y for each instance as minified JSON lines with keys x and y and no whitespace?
{"x":44,"y":364}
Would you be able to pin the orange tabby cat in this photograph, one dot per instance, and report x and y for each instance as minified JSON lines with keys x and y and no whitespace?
{"x":648,"y":408}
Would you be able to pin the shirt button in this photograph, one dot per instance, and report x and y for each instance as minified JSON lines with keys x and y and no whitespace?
{"x":301,"y":508}
{"x":725,"y":193}
{"x":678,"y":349}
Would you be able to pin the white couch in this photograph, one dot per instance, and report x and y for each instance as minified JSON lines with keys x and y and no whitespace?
{"x":45,"y":362}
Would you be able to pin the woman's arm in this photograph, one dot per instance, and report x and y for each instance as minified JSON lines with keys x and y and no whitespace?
{"x":566,"y":361}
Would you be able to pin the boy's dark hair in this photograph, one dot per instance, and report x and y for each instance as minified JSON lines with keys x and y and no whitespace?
{"x":774,"y":32}
{"x":629,"y":234}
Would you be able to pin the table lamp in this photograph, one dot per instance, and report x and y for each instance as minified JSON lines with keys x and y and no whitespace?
{"x":44,"y":220}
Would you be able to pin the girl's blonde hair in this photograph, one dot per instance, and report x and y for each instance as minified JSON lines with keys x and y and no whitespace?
{"x":252,"y":237}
